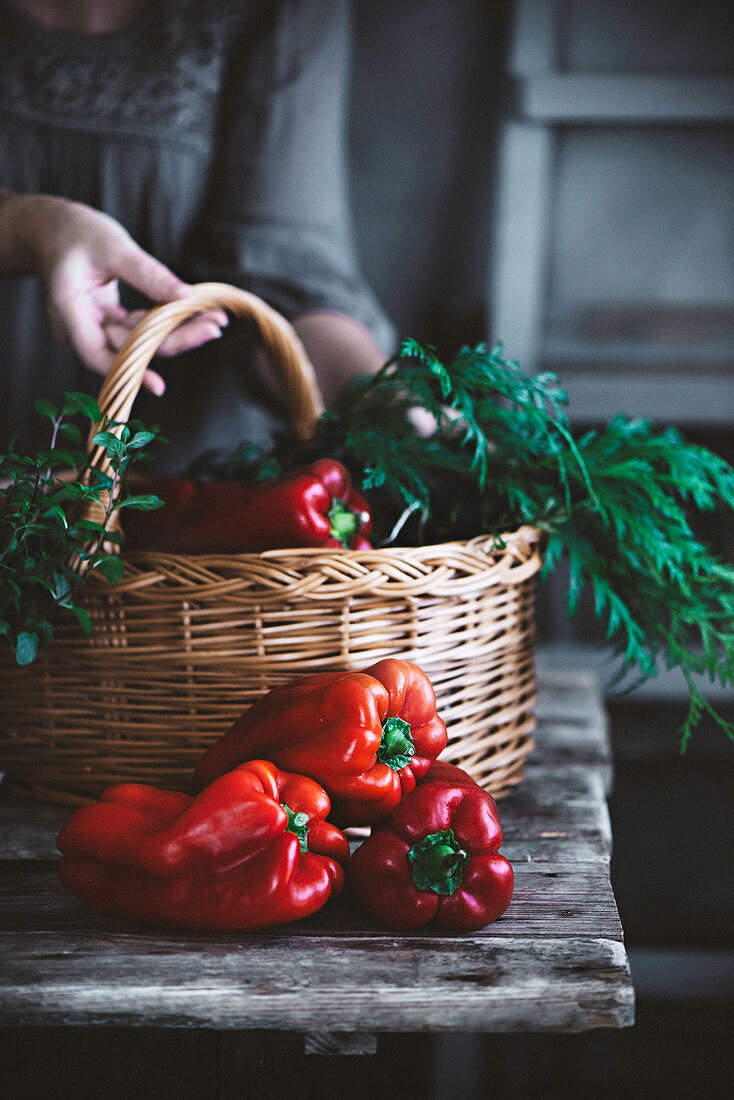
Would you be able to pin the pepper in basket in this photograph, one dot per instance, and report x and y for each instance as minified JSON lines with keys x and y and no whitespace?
{"x":312,"y":506}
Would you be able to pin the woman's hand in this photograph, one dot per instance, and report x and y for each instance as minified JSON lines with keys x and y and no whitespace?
{"x":80,"y":255}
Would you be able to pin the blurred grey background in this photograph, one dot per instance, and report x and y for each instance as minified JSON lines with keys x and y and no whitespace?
{"x":556,"y":175}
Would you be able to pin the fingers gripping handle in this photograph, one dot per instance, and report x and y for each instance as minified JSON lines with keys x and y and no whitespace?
{"x":285,"y":352}
{"x":290,"y":363}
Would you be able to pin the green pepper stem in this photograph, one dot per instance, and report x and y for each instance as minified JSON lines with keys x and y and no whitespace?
{"x":344,"y":522}
{"x":437,"y":863}
{"x":396,"y":747}
{"x":298,"y":824}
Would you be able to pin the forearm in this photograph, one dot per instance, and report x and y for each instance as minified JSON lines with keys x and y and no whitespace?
{"x":17,"y":255}
{"x":339,"y":348}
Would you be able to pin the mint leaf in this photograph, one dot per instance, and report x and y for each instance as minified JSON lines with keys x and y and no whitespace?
{"x":26,"y":648}
{"x":83,"y":617}
{"x":146,"y":502}
{"x":77,"y":402}
{"x":45,"y":408}
{"x":141,"y":439}
{"x":111,"y":567}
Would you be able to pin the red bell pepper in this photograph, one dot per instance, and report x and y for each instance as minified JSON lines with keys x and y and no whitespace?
{"x":311,"y":506}
{"x":436,"y":858}
{"x":364,"y":736}
{"x":252,"y":850}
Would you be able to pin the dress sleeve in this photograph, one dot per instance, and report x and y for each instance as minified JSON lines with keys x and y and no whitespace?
{"x":277,"y":219}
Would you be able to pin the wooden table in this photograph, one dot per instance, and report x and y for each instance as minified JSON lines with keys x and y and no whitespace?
{"x":555,"y":962}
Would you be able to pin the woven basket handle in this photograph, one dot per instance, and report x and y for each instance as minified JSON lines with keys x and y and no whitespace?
{"x":291,"y":365}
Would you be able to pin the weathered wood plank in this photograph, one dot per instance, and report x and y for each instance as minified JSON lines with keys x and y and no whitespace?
{"x":566,"y":694}
{"x":426,"y":983}
{"x":572,"y":725}
{"x":554,"y":961}
{"x":550,"y":900}
{"x":562,"y":744}
{"x":557,"y":814}
{"x":28,"y":829}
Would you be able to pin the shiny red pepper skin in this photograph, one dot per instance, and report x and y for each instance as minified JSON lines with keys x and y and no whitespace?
{"x":224,"y":861}
{"x":240,"y":517}
{"x":335,"y":477}
{"x":386,"y":879}
{"x":330,"y":726}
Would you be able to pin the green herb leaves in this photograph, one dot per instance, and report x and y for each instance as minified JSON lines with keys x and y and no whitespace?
{"x":41,"y":534}
{"x":664,"y":595}
{"x":619,"y":504}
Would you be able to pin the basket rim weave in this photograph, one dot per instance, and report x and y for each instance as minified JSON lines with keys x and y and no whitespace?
{"x":314,"y":574}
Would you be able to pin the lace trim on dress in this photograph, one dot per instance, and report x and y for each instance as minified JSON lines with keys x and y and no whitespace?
{"x":162,"y":75}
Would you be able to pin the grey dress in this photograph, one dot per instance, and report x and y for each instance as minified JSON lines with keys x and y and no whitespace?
{"x":213,"y":130}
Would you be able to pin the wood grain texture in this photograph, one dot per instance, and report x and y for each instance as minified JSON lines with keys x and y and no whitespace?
{"x":550,"y":899}
{"x":554,"y":961}
{"x":415,"y":984}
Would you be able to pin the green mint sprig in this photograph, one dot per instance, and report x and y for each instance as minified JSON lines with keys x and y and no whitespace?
{"x":41,"y":534}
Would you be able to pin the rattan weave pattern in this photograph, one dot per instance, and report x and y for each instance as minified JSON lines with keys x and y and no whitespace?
{"x":184,"y":643}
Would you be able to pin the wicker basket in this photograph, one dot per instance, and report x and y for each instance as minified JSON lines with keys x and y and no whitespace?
{"x":185,"y":643}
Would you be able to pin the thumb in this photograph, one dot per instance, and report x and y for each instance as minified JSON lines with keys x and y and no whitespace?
{"x":148,"y":275}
